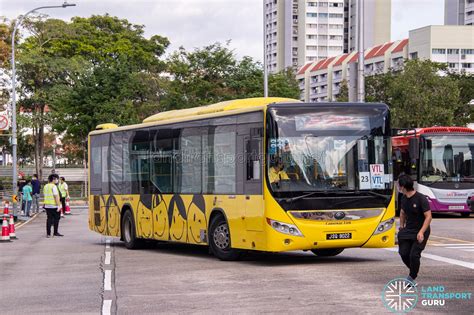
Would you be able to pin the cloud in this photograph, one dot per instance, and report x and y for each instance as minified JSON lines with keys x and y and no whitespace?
{"x":188,"y":23}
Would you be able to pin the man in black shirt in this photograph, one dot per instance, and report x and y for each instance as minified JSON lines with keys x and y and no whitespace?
{"x":415,"y":219}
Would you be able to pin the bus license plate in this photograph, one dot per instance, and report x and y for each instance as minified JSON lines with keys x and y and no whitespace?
{"x":456,"y":207}
{"x":338,"y":236}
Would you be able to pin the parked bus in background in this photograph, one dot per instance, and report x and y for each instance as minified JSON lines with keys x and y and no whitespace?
{"x":266,"y":174}
{"x":440,"y":159}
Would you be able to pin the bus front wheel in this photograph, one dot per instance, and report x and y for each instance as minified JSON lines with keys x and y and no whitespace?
{"x":326,"y":252}
{"x":219,"y":239}
{"x":128,"y":231}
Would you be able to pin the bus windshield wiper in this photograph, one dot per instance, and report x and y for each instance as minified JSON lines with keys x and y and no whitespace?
{"x":290,"y":200}
{"x":436,"y":181}
{"x":373,"y":193}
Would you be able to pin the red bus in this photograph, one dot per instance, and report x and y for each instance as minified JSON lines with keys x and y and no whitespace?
{"x":440,"y":160}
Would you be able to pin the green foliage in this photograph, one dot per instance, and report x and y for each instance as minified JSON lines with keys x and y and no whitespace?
{"x":419,"y":96}
{"x":343,"y":95}
{"x":212,"y":74}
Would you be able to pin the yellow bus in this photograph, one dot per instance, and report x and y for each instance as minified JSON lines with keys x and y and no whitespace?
{"x":263,"y":174}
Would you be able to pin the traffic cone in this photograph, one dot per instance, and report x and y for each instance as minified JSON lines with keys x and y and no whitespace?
{"x":5,"y":231}
{"x":68,"y":208}
{"x":12,"y":227}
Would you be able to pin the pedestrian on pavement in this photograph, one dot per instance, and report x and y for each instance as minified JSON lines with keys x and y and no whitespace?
{"x":64,"y":193}
{"x":21,"y":183}
{"x":52,"y":205}
{"x":27,"y":199}
{"x":415,"y":219}
{"x":36,"y":185}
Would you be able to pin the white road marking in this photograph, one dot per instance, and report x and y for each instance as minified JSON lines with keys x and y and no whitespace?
{"x":107,"y":243}
{"x":469,"y":250}
{"x":442,"y":259}
{"x":106,"y":306}
{"x":107,"y":258}
{"x":107,"y":280}
{"x":460,"y":247}
{"x":457,"y":244}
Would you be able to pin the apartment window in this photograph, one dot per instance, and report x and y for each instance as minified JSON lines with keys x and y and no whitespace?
{"x":335,"y":48}
{"x":323,"y":15}
{"x":467,"y":51}
{"x":466,"y":65}
{"x":323,"y":37}
{"x":336,"y":5}
{"x":323,"y":26}
{"x":414,"y":55}
{"x":335,"y":37}
{"x":452,"y":65}
{"x":335,"y":26}
{"x":323,"y":4}
{"x":312,"y":36}
{"x":312,"y":25}
{"x":312,"y":4}
{"x":453,"y":51}
{"x":312,"y":14}
{"x":438,"y":51}
{"x":311,"y":47}
{"x":335,"y":15}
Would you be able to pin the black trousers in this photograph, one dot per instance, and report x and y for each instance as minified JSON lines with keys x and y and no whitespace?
{"x":410,"y":251}
{"x":53,"y":220}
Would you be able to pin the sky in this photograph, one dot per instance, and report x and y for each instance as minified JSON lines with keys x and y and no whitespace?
{"x":197,"y":23}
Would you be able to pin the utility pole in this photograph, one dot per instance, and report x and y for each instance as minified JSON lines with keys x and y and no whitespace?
{"x":360,"y":48}
{"x":265,"y":61}
{"x":14,"y":125}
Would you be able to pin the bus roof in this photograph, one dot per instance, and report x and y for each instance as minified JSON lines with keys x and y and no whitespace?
{"x":218,"y":107}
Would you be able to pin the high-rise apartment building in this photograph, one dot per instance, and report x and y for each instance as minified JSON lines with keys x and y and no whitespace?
{"x":459,"y":12}
{"x":302,"y":31}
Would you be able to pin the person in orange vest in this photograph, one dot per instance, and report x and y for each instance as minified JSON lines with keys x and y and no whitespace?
{"x":52,"y":205}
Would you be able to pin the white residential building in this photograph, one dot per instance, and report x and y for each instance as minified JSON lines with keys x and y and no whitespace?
{"x":459,"y":12}
{"x":302,"y":31}
{"x":453,"y":45}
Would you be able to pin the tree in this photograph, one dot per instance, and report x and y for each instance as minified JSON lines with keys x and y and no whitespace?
{"x":213,"y":74}
{"x":465,"y":83}
{"x":40,"y":73}
{"x":418,"y":96}
{"x":119,"y":80}
{"x":343,"y":95}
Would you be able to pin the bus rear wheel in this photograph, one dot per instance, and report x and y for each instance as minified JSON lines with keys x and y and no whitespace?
{"x":465,"y":214}
{"x":219,"y":240}
{"x":327,"y":252}
{"x":129,"y":236}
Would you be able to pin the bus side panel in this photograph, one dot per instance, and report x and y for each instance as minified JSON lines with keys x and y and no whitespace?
{"x":161,"y":227}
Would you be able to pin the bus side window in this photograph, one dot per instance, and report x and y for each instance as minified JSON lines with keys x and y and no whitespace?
{"x":96,"y":165}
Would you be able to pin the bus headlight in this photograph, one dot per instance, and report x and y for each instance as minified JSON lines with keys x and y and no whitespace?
{"x":384,"y":226}
{"x":284,"y":228}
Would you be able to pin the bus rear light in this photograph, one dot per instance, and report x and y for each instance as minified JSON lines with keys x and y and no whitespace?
{"x":284,"y":228}
{"x":384,"y":226}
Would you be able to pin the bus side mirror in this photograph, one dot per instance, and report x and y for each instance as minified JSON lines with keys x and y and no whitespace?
{"x":413,"y":148}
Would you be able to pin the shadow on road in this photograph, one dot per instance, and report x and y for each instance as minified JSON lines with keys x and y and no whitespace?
{"x":252,"y":257}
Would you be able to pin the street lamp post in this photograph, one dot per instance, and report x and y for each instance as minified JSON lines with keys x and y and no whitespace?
{"x":14,"y":131}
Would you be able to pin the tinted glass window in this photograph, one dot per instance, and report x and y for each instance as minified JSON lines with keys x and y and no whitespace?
{"x":188,"y":161}
{"x":140,"y":162}
{"x":219,"y":163}
{"x":96,"y":164}
{"x":162,"y":161}
{"x":116,"y":164}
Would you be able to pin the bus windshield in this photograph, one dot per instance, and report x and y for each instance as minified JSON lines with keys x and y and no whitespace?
{"x":447,"y":158}
{"x":329,"y":148}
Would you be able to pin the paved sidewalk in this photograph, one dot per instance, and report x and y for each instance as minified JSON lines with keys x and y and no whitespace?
{"x":52,"y":276}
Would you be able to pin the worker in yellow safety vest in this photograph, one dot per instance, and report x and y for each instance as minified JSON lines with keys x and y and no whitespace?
{"x":63,"y":194}
{"x":52,"y":205}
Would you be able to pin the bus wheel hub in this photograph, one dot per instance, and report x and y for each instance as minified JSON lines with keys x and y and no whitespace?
{"x":221,"y":236}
